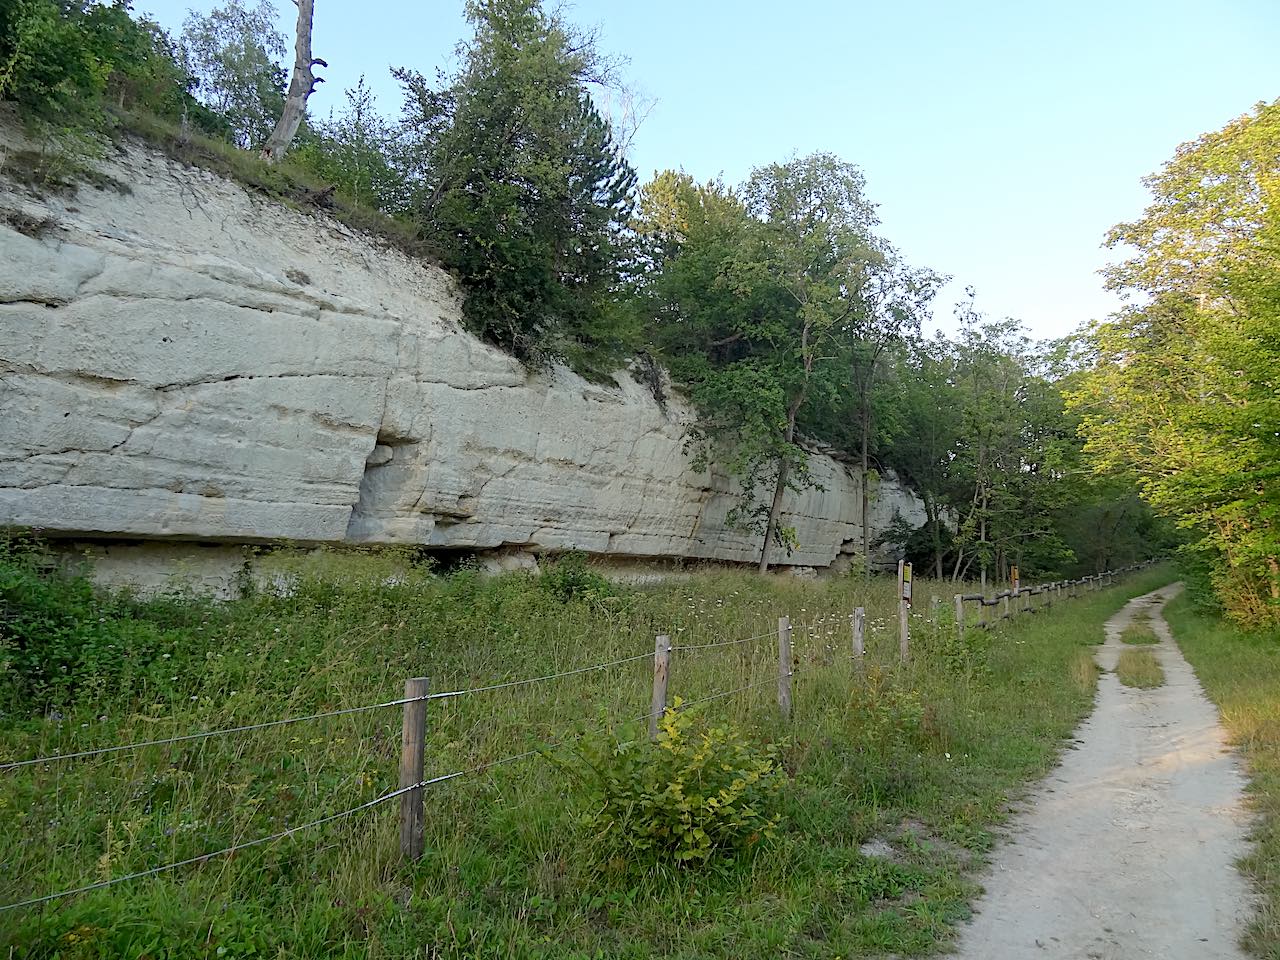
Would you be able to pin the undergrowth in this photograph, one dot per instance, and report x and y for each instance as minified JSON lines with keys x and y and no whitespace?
{"x":518,"y":861}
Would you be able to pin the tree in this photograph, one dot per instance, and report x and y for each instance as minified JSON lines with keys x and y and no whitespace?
{"x":751,"y":294}
{"x":523,"y":188}
{"x":302,"y":83}
{"x":1185,"y":389}
{"x":820,"y":251}
{"x":898,"y":298}
{"x":64,"y":62}
{"x":358,"y":151}
{"x":232,"y":53}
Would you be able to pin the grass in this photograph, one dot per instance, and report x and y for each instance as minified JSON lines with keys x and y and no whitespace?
{"x":925,"y":758}
{"x":1139,"y":632}
{"x":73,"y":159}
{"x":1241,"y":674}
{"x":1139,"y":668}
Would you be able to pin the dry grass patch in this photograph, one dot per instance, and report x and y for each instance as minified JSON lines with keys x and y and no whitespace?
{"x":1139,"y":668}
{"x":1138,"y":633}
{"x":1084,"y":670}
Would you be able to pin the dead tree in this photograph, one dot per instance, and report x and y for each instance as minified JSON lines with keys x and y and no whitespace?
{"x":301,"y":85}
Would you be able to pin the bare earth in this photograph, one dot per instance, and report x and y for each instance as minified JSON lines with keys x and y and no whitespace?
{"x":1128,"y":848}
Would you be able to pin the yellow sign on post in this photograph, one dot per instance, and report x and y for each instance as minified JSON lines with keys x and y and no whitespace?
{"x":1013,"y":578}
{"x":906,"y":583}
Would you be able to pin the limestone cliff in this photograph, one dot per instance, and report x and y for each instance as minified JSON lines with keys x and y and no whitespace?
{"x":186,"y":361}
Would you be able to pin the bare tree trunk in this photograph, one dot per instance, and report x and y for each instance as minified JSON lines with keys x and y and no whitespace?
{"x":784,"y":468}
{"x":775,"y":510}
{"x":301,"y":85}
{"x":866,"y":495}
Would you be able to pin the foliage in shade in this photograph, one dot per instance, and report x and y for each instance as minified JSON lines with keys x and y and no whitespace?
{"x":63,"y":64}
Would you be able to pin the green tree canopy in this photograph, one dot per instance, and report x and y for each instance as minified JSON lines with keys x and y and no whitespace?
{"x":1185,"y":390}
{"x":523,"y":188}
{"x":233,"y":54}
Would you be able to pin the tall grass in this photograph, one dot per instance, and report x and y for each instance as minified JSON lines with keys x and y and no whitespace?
{"x":1241,"y":673}
{"x":939,"y":745}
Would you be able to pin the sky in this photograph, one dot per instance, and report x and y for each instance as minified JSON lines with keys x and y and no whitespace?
{"x":1000,"y":139}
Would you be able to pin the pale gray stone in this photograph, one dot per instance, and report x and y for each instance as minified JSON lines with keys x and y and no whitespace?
{"x":187,"y":361}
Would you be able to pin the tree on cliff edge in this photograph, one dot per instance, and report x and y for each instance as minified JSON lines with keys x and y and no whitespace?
{"x":752,"y":295}
{"x":523,"y":188}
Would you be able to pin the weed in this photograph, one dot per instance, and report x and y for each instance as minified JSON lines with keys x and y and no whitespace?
{"x":1084,"y":670}
{"x":571,"y":578}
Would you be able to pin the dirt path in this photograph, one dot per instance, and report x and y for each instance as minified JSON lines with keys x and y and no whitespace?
{"x":1128,"y":848}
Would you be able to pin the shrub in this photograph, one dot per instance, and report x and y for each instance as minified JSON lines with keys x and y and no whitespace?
{"x":60,"y":62}
{"x":58,"y":637}
{"x":569,"y":578}
{"x":696,"y":791}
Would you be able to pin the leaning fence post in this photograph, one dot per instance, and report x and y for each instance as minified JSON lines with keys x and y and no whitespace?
{"x":858,"y":620}
{"x":784,"y":666}
{"x":959,"y":616}
{"x":413,"y":738}
{"x":661,"y":671}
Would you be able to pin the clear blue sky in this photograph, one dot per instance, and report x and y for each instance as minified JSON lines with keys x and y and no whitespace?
{"x":1000,"y":139}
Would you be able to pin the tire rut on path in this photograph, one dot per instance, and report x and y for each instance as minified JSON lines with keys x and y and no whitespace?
{"x":1128,"y":848}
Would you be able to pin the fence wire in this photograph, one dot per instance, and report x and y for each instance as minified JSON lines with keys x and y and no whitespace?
{"x":204,"y":734}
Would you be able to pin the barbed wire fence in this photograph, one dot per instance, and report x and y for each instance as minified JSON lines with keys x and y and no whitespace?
{"x":413,"y":785}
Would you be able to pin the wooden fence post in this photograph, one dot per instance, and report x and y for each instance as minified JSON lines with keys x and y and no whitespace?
{"x":904,"y":611}
{"x":661,"y":672}
{"x":413,"y":738}
{"x":1004,"y":606}
{"x":858,"y":622}
{"x":784,"y":666}
{"x":959,"y":617}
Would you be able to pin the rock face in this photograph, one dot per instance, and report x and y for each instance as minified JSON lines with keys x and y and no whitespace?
{"x":185,"y":361}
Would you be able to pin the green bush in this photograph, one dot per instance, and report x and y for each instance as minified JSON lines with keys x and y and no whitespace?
{"x":58,"y":638}
{"x":570,"y":578}
{"x":696,"y":791}
{"x":61,"y":63}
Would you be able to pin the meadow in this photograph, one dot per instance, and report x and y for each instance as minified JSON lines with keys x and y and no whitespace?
{"x":886,"y":785}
